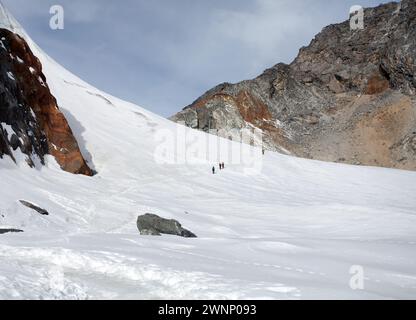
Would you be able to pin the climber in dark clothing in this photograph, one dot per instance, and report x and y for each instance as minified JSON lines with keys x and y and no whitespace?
{"x":213,"y":170}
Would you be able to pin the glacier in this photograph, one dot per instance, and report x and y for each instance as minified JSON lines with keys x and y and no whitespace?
{"x":294,"y":230}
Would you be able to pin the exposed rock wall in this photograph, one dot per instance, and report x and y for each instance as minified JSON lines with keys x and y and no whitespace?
{"x":30,"y":119}
{"x":347,"y":97}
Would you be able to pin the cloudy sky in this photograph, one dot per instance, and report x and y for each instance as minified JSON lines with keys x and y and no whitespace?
{"x":163,"y":54}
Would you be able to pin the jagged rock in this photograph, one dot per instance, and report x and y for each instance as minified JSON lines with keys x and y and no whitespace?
{"x":3,"y":231}
{"x":151,"y":224}
{"x":34,"y":207}
{"x":29,"y":115}
{"x":350,"y":94}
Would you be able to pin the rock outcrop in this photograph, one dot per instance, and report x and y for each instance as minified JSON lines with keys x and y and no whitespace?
{"x":153,"y":225}
{"x":36,"y":208}
{"x":350,"y":96}
{"x":4,"y":231}
{"x":30,"y":119}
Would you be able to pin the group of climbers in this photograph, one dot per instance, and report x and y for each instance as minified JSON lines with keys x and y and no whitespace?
{"x":221,"y":166}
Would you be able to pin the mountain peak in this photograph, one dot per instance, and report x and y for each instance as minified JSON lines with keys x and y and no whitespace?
{"x":7,"y":21}
{"x":349,"y":96}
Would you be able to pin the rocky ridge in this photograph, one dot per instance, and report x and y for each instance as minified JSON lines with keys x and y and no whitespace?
{"x":347,"y":97}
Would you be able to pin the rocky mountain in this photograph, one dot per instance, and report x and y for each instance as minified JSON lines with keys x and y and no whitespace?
{"x":30,"y":120}
{"x":347,"y":97}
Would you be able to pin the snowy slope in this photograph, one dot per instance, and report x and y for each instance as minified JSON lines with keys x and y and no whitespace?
{"x":292,"y":231}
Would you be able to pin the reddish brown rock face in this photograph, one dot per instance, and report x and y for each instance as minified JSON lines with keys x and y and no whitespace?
{"x":377,"y":84}
{"x":24,"y":89}
{"x":252,"y":109}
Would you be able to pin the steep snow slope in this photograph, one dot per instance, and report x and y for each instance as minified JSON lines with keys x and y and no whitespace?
{"x":292,"y":231}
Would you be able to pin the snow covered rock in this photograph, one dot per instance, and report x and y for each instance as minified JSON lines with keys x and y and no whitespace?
{"x":34,"y":207}
{"x":153,"y":225}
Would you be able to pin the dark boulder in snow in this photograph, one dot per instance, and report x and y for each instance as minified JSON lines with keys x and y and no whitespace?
{"x":34,"y":207}
{"x":3,"y":231}
{"x":153,"y":225}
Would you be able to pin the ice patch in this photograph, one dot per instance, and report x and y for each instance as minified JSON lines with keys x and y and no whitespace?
{"x":8,"y":129}
{"x":2,"y":44}
{"x":41,"y":81}
{"x":11,"y":76}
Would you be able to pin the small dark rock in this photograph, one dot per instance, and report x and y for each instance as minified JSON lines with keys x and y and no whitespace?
{"x":14,"y":142}
{"x":3,"y":231}
{"x":33,"y":207}
{"x":151,"y":224}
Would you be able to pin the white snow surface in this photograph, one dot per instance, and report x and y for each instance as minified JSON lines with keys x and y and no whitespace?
{"x":292,"y":231}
